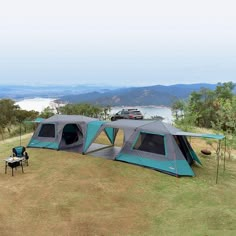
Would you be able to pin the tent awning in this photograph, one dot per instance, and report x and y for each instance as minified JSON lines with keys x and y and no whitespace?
{"x":37,"y":120}
{"x":213,"y":136}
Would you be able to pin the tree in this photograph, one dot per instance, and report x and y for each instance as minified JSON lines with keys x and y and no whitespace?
{"x":225,"y":91}
{"x":201,"y":104}
{"x":11,"y":115}
{"x":206,"y":103}
{"x":84,"y":109}
{"x":105,"y":112}
{"x":47,"y":112}
{"x":7,"y":114}
{"x":213,"y":109}
{"x":178,"y":109}
{"x":226,"y":121}
{"x":23,"y":115}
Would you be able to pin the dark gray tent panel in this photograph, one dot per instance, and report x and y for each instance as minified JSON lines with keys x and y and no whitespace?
{"x":156,"y":145}
{"x":155,"y":150}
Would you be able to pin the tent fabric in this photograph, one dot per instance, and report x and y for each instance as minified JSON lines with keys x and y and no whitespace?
{"x":65,"y":132}
{"x":212,"y":136}
{"x":36,"y":120}
{"x":148,"y":143}
{"x":127,"y":125}
{"x":91,"y":132}
{"x":156,"y":145}
{"x":179,"y":167}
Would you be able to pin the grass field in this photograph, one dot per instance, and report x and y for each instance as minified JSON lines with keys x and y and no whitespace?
{"x":64,"y":193}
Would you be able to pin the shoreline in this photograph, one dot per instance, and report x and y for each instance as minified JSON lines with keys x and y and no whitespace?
{"x":39,"y":104}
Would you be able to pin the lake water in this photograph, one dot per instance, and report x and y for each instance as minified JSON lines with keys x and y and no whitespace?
{"x":36,"y":104}
{"x":39,"y":104}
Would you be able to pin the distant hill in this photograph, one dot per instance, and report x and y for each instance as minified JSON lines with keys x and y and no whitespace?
{"x":106,"y":95}
{"x":18,"y":92}
{"x":138,"y":96}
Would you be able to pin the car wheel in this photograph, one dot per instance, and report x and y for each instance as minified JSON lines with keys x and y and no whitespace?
{"x":113,"y":118}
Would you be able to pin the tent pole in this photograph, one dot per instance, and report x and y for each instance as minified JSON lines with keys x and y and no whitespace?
{"x":224,"y":153}
{"x":218,"y":160}
{"x":20,"y":133}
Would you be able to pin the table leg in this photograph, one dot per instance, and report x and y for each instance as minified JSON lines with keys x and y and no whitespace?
{"x":22,"y":167}
{"x":5,"y":167}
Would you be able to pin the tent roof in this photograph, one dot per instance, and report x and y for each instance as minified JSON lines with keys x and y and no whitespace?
{"x":213,"y":136}
{"x":69,"y":118}
{"x":157,"y":126}
{"x":150,"y":125}
{"x":127,"y":124}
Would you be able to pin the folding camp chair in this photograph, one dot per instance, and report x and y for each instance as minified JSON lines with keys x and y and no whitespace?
{"x":20,"y":151}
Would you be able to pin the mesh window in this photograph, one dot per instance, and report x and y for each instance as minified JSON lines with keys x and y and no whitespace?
{"x":153,"y":143}
{"x":47,"y":130}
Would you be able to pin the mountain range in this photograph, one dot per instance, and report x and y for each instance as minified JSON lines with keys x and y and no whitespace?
{"x":106,"y":95}
{"x":139,"y":96}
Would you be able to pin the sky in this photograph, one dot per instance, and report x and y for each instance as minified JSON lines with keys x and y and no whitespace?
{"x":119,"y":43}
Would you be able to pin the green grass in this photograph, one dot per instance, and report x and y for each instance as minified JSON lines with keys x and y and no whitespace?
{"x":64,"y":193}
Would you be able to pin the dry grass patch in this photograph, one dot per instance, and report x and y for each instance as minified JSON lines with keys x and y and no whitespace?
{"x":102,"y":138}
{"x":63,"y":193}
{"x":67,"y":194}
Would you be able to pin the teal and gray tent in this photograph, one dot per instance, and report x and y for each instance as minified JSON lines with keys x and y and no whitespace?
{"x":156,"y":145}
{"x":65,"y":132}
{"x":111,"y":129}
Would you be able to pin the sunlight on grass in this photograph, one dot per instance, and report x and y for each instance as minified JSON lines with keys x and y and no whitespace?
{"x":102,"y":139}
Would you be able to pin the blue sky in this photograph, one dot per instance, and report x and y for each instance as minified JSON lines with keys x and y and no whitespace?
{"x":124,"y":43}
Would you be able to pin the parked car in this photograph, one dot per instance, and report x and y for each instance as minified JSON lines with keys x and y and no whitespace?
{"x":134,"y":114}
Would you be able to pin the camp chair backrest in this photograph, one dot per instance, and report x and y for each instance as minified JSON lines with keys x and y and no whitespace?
{"x":18,"y":151}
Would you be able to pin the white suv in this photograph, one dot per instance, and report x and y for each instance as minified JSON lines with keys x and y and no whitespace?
{"x":134,"y":114}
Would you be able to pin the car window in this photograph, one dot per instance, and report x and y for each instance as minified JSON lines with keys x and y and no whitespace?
{"x":136,"y":112}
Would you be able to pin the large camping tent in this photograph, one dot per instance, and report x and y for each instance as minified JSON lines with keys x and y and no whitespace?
{"x":152,"y":144}
{"x":65,"y":132}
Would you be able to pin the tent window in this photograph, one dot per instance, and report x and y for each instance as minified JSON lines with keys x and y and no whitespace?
{"x":47,"y":130}
{"x":153,"y":143}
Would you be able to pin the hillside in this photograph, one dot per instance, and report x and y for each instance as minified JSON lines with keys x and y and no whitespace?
{"x":138,"y":96}
{"x":106,"y":95}
{"x":18,"y":92}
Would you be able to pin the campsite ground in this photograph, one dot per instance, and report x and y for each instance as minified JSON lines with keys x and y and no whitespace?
{"x":64,"y":193}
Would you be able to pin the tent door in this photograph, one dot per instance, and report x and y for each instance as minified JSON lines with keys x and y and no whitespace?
{"x":71,"y":135}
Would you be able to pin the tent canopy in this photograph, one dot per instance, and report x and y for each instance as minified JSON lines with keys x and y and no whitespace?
{"x":155,"y":144}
